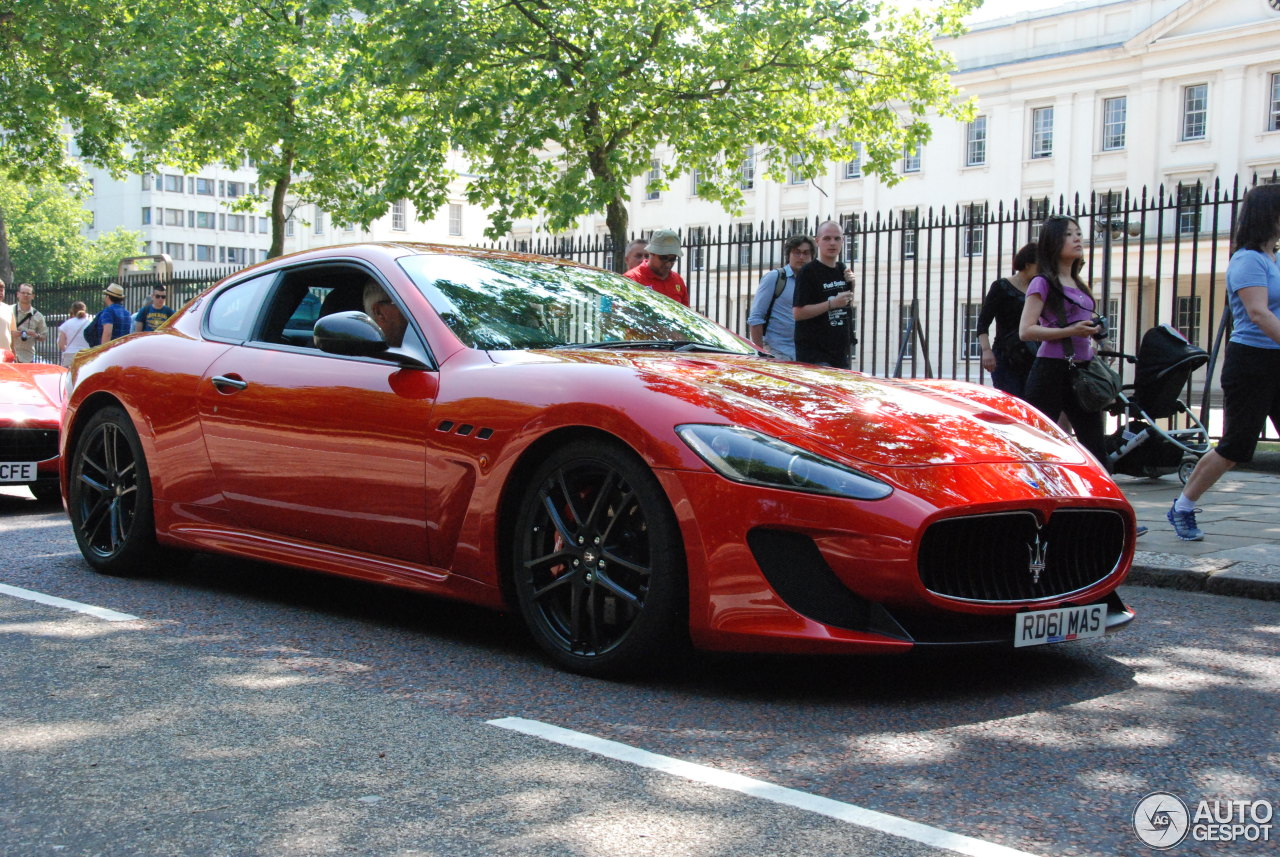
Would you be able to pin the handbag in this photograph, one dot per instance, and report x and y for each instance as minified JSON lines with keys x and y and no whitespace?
{"x":1095,"y":384}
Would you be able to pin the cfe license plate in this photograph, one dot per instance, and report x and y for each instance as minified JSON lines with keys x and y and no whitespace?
{"x":1060,"y":626}
{"x":17,"y":471}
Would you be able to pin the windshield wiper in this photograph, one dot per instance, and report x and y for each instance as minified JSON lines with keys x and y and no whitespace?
{"x":653,"y":344}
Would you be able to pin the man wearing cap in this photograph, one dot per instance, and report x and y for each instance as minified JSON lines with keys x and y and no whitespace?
{"x":656,"y":272}
{"x":8,"y":331}
{"x":30,"y":324}
{"x":114,"y":319}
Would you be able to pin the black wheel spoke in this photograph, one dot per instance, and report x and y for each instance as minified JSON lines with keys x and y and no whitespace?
{"x":607,"y":582}
{"x":600,"y":507}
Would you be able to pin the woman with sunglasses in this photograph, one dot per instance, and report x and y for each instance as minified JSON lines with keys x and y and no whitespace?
{"x":1059,"y":314}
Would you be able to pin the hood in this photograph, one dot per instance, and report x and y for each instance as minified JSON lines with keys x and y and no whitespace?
{"x":30,"y":392}
{"x":881,"y":421}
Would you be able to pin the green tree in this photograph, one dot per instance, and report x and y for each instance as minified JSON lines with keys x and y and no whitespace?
{"x":46,"y":241}
{"x":560,"y":106}
{"x":278,"y":84}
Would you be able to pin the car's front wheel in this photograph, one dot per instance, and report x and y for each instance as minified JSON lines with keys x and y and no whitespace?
{"x":109,"y":499}
{"x":599,"y":565}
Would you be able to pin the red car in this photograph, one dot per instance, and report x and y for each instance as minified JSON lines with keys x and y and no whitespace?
{"x":542,"y":437}
{"x":30,"y":399}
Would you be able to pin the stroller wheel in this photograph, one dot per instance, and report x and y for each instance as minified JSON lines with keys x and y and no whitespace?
{"x":1185,"y":467}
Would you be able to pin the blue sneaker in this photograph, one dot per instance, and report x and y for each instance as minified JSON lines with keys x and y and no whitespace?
{"x":1142,"y":531}
{"x":1184,"y":524}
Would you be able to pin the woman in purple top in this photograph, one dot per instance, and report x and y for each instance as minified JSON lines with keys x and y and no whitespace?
{"x":1059,"y":314}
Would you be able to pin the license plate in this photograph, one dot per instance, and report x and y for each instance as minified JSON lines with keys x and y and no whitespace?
{"x":17,"y":471}
{"x":1060,"y":626}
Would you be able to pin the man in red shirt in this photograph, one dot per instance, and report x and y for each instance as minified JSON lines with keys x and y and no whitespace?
{"x":657,"y":273}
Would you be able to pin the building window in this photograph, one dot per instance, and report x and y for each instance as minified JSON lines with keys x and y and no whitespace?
{"x":206,"y":220}
{"x":655,"y":176}
{"x":910,"y":232}
{"x":1114,"y":112}
{"x":1195,"y":111}
{"x":1189,"y":207}
{"x":745,"y":234}
{"x":237,"y":256}
{"x":176,"y":252}
{"x":975,"y":142}
{"x":173,"y":184}
{"x":146,"y":181}
{"x":235,"y":189}
{"x":204,"y":252}
{"x":747,"y":172}
{"x":174,"y":217}
{"x":794,"y":177}
{"x":1188,"y":318}
{"x":975,"y":219}
{"x":853,"y":169}
{"x":1109,"y":204}
{"x":455,"y":219}
{"x":288,"y":227}
{"x":970,"y":347}
{"x":907,"y":332}
{"x":263,"y":225}
{"x":318,"y":227}
{"x":911,"y":158}
{"x":205,"y":187}
{"x":235,"y":223}
{"x":697,"y":248}
{"x":1273,"y":120}
{"x":849,"y":226}
{"x":695,"y":179}
{"x":1042,"y":132}
{"x":146,"y":216}
{"x":1037,"y":213}
{"x":397,"y":215}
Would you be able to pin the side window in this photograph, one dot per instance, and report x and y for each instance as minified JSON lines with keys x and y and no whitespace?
{"x":234,"y":310}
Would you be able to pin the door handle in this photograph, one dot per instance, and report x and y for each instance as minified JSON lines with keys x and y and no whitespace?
{"x":221,"y":381}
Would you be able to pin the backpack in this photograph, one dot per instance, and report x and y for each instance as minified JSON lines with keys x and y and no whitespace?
{"x":93,"y":331}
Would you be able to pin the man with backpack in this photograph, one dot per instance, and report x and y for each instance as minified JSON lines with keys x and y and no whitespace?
{"x":112,"y":321}
{"x":771,"y":322}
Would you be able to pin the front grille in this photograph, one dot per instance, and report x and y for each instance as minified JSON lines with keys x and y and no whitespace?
{"x":28,"y":444}
{"x":998,"y":558}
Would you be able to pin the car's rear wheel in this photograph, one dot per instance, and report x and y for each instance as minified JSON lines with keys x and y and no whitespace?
{"x":598,"y":562}
{"x":110,"y":496}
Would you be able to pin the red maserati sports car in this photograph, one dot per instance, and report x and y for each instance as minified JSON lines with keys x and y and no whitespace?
{"x":541,"y":437}
{"x":30,"y":398}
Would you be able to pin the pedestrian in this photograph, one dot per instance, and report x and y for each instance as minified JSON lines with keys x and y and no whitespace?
{"x":657,"y":272}
{"x":29,"y":323}
{"x":151,"y":317}
{"x":71,"y":333}
{"x":636,"y":253}
{"x":823,"y":295}
{"x":1251,"y":369}
{"x":113,"y":320}
{"x":771,"y":323}
{"x":1009,"y":359}
{"x":1059,"y":314}
{"x":7,"y":330}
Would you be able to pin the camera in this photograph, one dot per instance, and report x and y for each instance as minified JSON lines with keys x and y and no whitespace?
{"x":24,"y":336}
{"x":1100,"y":321}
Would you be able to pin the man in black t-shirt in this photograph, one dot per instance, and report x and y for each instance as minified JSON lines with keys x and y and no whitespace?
{"x":824,"y":322}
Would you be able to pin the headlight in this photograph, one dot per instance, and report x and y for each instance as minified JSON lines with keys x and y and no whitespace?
{"x":756,"y":459}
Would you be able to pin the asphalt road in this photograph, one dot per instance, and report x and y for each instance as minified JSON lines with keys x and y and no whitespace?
{"x":256,"y":710}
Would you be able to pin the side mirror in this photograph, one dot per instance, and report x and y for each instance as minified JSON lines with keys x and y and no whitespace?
{"x":351,"y":334}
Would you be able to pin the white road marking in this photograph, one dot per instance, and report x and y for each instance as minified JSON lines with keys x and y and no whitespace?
{"x":55,"y":601}
{"x":838,"y":810}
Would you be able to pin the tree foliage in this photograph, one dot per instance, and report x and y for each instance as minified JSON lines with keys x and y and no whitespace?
{"x":44,"y":223}
{"x":560,"y":106}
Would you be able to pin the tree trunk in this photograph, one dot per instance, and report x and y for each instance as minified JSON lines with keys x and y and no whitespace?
{"x":615,"y":217}
{"x":6,"y":263}
{"x":278,"y":192}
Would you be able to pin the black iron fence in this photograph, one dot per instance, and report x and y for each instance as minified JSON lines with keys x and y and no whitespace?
{"x":922,"y":273}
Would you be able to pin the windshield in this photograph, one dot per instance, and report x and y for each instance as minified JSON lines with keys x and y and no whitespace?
{"x":505,"y":304}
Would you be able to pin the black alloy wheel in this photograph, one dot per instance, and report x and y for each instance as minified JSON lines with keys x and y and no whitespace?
{"x":110,"y":496}
{"x":598,"y":563}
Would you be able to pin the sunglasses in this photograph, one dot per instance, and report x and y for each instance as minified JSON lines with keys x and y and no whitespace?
{"x":666,"y":258}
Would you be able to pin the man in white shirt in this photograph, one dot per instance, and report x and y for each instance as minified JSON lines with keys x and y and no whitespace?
{"x":7,"y":328}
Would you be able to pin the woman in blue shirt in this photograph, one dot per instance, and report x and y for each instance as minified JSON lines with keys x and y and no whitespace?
{"x":1251,"y":370}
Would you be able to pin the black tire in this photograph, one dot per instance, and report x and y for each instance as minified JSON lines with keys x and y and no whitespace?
{"x":1185,"y":467}
{"x":109,"y":497}
{"x":598,"y":563}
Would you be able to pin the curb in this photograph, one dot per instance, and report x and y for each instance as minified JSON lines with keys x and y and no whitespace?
{"x":1215,"y":576}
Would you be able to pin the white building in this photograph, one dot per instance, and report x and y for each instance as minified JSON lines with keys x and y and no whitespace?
{"x":1087,"y":96}
{"x":192,"y":218}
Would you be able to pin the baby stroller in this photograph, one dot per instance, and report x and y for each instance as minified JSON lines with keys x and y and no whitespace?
{"x":1141,"y":447}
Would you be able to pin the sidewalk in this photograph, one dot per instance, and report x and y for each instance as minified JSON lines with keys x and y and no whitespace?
{"x":1240,"y":516}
